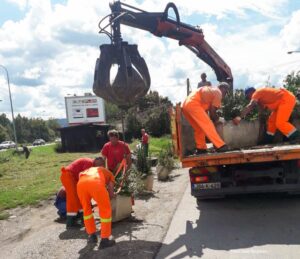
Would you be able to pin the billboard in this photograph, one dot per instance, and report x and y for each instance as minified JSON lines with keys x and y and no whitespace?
{"x":85,"y":109}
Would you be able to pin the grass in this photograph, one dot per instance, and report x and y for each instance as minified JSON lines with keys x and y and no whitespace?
{"x":155,"y":144}
{"x":24,"y":182}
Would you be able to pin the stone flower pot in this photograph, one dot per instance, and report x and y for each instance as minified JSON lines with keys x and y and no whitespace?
{"x":121,"y":207}
{"x":162,"y":173}
{"x":246,"y":134}
{"x":148,"y":182}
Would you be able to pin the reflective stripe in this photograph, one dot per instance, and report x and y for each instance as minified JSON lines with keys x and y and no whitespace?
{"x":291,"y":133}
{"x":270,"y":133}
{"x":88,"y":217}
{"x":105,"y":220}
{"x":71,"y":213}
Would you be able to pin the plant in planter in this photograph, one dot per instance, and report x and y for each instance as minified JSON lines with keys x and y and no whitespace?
{"x":165,"y":163}
{"x":144,"y":168}
{"x":234,"y":104}
{"x":122,"y":203}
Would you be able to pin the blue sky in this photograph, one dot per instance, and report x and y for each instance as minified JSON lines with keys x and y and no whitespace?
{"x":50,"y":47}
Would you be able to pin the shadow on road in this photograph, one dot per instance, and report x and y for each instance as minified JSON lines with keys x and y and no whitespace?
{"x":237,"y":223}
{"x":138,"y":249}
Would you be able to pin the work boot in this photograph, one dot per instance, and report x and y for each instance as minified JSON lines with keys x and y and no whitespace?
{"x":92,"y":239}
{"x":105,"y":243}
{"x":200,"y":152}
{"x":268,"y":139}
{"x":224,"y":148}
{"x":295,"y":137}
{"x":80,"y":217}
{"x":72,"y":222}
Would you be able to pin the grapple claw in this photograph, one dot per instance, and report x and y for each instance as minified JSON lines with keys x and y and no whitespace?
{"x":132,"y":80}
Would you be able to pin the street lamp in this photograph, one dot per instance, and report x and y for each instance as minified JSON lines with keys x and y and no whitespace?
{"x":293,"y":51}
{"x":11,"y":105}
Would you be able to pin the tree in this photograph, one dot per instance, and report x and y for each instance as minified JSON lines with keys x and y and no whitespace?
{"x":292,"y":82}
{"x":112,"y":112}
{"x":3,"y":133}
{"x":5,"y":122}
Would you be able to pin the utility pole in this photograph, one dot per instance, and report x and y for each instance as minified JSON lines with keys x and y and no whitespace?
{"x":11,"y":106}
{"x":293,"y":51}
{"x":188,"y":87}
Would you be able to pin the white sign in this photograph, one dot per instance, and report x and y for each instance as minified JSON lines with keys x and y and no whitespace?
{"x":85,"y":109}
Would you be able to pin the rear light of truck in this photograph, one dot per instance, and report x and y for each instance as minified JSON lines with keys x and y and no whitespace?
{"x":199,"y":179}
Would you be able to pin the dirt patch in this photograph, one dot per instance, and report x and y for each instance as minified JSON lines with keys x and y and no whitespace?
{"x":34,"y":233}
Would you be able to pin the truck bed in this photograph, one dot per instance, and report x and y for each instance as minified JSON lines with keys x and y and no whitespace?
{"x":251,"y":155}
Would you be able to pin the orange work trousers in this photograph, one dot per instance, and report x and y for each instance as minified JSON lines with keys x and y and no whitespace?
{"x":202,"y":124}
{"x":88,"y":188}
{"x":73,"y":203}
{"x":279,"y":118}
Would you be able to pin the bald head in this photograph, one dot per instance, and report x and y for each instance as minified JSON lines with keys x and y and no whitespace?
{"x":224,"y":88}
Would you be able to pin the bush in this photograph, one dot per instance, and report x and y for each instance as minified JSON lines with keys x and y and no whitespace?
{"x":133,"y":126}
{"x":158,"y":122}
{"x":165,"y":158}
{"x":142,"y":163}
{"x":133,"y":184}
{"x":234,"y":104}
{"x":58,"y":148}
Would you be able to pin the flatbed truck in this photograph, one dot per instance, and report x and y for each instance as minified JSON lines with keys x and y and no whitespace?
{"x":259,"y":169}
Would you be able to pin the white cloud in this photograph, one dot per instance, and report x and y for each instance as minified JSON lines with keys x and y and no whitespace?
{"x":52,"y":51}
{"x":291,"y":33}
{"x":20,"y":3}
{"x":218,"y":8}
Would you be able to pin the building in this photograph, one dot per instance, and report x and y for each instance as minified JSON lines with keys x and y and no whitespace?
{"x":86,"y":130}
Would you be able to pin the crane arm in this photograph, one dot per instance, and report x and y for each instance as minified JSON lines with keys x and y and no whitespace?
{"x":133,"y":79}
{"x":159,"y":24}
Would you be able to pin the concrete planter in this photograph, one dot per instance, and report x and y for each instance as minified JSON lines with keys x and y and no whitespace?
{"x":121,"y":207}
{"x":246,"y":134}
{"x":148,"y":182}
{"x":162,"y":173}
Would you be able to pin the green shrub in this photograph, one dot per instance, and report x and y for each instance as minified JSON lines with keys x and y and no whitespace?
{"x":142,"y":163}
{"x":58,"y":148}
{"x":165,"y":158}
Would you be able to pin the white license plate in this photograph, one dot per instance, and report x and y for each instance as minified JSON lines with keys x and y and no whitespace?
{"x":205,"y":186}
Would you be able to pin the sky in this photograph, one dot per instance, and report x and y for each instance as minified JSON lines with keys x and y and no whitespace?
{"x":50,"y":47}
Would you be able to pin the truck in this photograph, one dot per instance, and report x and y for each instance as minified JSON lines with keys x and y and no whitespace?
{"x":257,"y":169}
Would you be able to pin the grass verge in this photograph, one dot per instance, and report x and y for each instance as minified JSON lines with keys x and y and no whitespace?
{"x":155,"y":144}
{"x":24,"y":182}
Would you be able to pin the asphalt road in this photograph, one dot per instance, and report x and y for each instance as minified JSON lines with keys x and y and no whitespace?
{"x":256,"y":227}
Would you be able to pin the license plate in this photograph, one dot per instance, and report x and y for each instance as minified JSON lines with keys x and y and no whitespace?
{"x":206,"y":186}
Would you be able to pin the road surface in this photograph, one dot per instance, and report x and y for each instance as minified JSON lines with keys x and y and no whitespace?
{"x":259,"y":227}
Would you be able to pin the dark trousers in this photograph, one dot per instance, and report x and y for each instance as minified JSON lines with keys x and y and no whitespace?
{"x":145,"y":148}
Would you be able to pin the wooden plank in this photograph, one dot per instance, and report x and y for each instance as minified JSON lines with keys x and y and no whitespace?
{"x":275,"y":153}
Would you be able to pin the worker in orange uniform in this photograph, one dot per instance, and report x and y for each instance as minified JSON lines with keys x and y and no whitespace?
{"x":115,"y":150}
{"x":195,"y":109}
{"x":97,"y":183}
{"x":69,"y":178}
{"x":281,"y":102}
